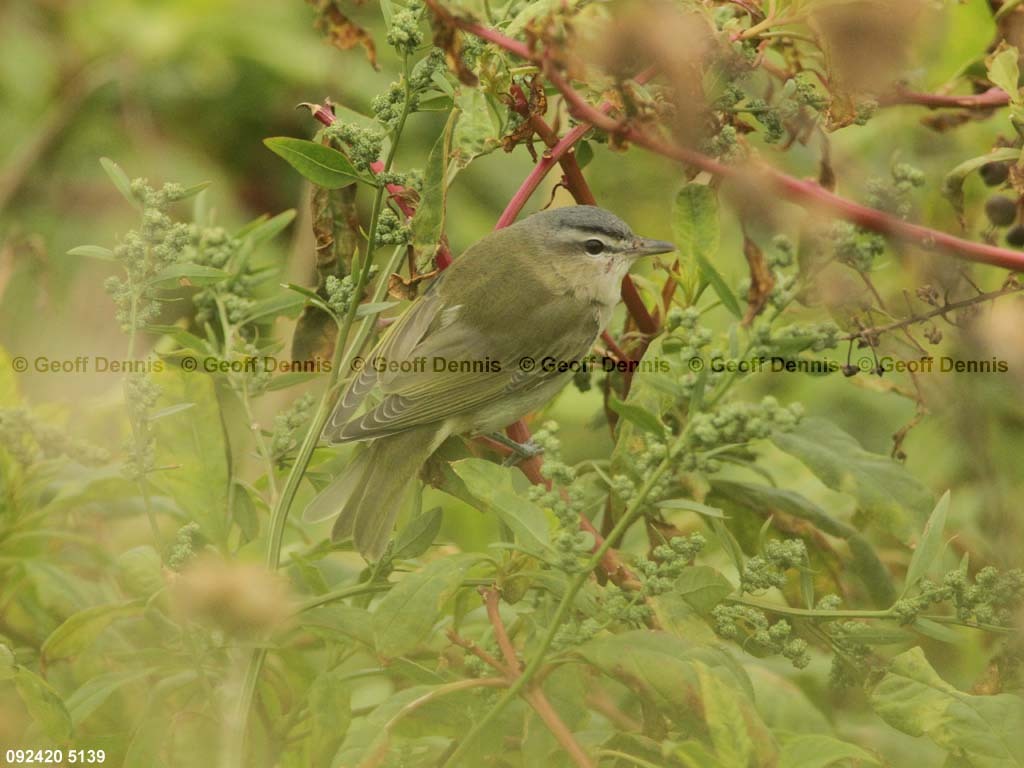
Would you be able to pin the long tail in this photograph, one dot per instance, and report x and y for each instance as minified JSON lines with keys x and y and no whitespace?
{"x":370,"y":491}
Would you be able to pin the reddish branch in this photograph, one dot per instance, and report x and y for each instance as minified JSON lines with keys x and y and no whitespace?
{"x":533,"y":694}
{"x":808,"y":194}
{"x":990,"y":99}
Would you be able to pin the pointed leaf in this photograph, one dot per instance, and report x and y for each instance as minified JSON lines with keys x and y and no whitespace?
{"x":324,"y":166}
{"x":930,"y":545}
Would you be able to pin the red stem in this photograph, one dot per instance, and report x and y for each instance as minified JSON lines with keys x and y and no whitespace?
{"x":805,"y":193}
{"x":990,"y":99}
{"x":808,"y":194}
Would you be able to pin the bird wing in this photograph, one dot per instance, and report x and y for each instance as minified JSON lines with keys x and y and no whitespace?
{"x":560,"y":329}
{"x":398,"y":343}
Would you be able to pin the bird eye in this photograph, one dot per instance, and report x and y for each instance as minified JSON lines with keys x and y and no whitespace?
{"x":593,"y":247}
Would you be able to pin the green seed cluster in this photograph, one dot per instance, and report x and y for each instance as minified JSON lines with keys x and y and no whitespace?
{"x":742,"y":422}
{"x":571,"y":544}
{"x":894,"y":196}
{"x":141,"y":395}
{"x":405,"y":35}
{"x":391,"y":230}
{"x":768,"y":569}
{"x":745,"y":624}
{"x":340,"y":291}
{"x":389,"y":106}
{"x":724,"y":145}
{"x":856,"y":247}
{"x":364,"y":145}
{"x":660,"y":574}
{"x":183,"y":549}
{"x":29,"y":440}
{"x":143,"y":253}
{"x":993,"y":597}
{"x":286,"y":425}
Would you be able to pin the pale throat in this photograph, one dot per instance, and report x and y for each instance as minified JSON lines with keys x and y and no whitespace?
{"x":597,"y":282}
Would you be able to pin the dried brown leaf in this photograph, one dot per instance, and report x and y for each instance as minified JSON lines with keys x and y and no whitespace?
{"x":343,"y":33}
{"x":761,"y":280}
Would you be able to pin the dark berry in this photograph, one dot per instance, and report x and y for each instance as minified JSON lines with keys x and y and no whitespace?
{"x":1015,"y":236}
{"x":994,"y":174}
{"x":1001,"y":210}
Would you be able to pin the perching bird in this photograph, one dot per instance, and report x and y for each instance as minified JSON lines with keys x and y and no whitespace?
{"x":516,"y":307}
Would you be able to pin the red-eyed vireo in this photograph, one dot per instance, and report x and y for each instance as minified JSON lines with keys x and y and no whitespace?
{"x":491,"y":340}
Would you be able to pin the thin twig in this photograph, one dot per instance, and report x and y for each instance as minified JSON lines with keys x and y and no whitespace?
{"x":491,"y":597}
{"x":867,"y":334}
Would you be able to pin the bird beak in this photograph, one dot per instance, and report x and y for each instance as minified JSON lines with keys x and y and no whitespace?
{"x":643,"y":246}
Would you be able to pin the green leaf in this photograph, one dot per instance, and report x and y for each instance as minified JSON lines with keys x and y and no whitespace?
{"x":119,"y":178}
{"x":698,"y":686}
{"x":702,"y":587}
{"x":930,"y":546}
{"x":820,"y":751}
{"x":637,"y":415}
{"x":267,"y":229}
{"x":427,"y":223}
{"x":374,"y":308}
{"x":985,"y":730}
{"x":660,"y":667}
{"x":43,"y":704}
{"x":1003,"y":71}
{"x":330,"y":712}
{"x":727,"y":717}
{"x":80,"y":629}
{"x":95,"y":691}
{"x":416,"y":537}
{"x":768,"y":501}
{"x":697,"y":232}
{"x":407,"y":614}
{"x":478,"y":130}
{"x":192,"y":445}
{"x":140,"y":571}
{"x":953,"y":184}
{"x":324,"y":166}
{"x":692,"y":506}
{"x":493,"y":486}
{"x":93,"y":252}
{"x":284,"y":303}
{"x":887,"y":495}
{"x":584,"y":154}
{"x":174,"y":274}
{"x":717,"y":282}
{"x":8,"y":667}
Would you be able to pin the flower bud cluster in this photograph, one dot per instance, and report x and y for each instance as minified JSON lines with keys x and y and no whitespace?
{"x":183,"y":549}
{"x":993,"y":597}
{"x":768,"y":569}
{"x":745,"y":624}
{"x":156,"y":244}
{"x":340,"y":290}
{"x":141,"y":395}
{"x":28,"y":440}
{"x":742,"y":422}
{"x":287,"y":423}
{"x":405,"y":35}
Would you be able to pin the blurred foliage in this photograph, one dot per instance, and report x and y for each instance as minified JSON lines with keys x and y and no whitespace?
{"x":802,"y":568}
